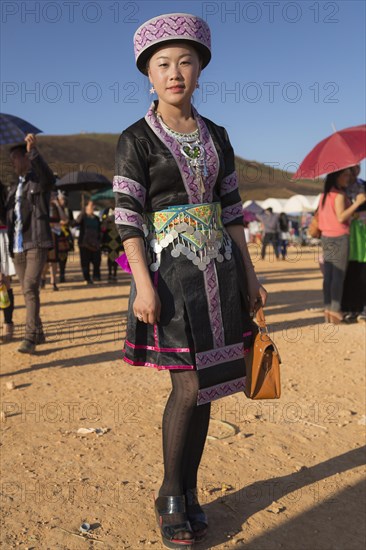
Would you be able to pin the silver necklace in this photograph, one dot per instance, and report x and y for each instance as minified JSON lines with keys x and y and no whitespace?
{"x":192,"y":149}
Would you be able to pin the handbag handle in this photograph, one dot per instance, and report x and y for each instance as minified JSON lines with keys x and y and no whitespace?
{"x":260,"y":318}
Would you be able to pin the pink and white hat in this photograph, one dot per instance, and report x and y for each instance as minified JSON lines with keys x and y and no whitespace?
{"x":168,"y":27}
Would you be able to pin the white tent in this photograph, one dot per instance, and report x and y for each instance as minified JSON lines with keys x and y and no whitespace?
{"x":277,"y":205}
{"x":295,"y":204}
{"x":301,"y":203}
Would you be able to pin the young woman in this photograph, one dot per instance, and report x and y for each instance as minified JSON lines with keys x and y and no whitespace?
{"x":335,"y":212}
{"x":179,"y":215}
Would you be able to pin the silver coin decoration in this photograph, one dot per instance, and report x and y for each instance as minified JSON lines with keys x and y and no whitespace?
{"x":200,"y":242}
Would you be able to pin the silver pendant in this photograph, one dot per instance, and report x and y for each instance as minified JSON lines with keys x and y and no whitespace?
{"x":201,"y":266}
{"x":220,"y":258}
{"x":175,"y":253}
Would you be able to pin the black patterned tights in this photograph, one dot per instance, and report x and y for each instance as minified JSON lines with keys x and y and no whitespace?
{"x":185,"y":426}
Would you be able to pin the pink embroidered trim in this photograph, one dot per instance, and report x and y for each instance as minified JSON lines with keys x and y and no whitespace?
{"x":190,"y":184}
{"x":220,"y":390}
{"x":230,"y":213}
{"x":228,"y":184}
{"x":221,"y":355}
{"x":214,"y":305}
{"x":159,"y":367}
{"x":174,"y":26}
{"x":154,"y":348}
{"x":130,"y":187}
{"x":124,"y":216}
{"x":212,"y":158}
{"x":247,"y":333}
{"x":156,"y":330}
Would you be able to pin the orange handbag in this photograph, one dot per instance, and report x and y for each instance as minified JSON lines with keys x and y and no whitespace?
{"x":262,"y":364}
{"x":313,"y":228}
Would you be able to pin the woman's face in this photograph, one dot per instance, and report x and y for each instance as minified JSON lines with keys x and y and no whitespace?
{"x":344,"y":178}
{"x":174,"y":71}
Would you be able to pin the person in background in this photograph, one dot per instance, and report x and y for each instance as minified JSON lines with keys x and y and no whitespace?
{"x":335,"y":212}
{"x":29,"y":231}
{"x":57,"y":216}
{"x":354,"y":288}
{"x":111,"y":242}
{"x":66,"y":241}
{"x":7,"y":269}
{"x":284,"y":235}
{"x":89,"y":242}
{"x":271,"y":230}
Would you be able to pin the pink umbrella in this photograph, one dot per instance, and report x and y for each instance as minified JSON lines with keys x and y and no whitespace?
{"x":340,"y":150}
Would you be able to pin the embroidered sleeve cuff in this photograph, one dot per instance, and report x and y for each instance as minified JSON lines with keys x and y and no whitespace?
{"x":124,"y":216}
{"x":121,"y":184}
{"x":233,"y":213}
{"x":229,"y":184}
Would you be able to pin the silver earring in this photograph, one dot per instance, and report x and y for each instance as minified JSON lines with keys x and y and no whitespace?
{"x":152,"y":89}
{"x":197,"y":84}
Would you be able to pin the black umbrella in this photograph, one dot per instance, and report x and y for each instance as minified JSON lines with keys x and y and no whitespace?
{"x":83,"y":181}
{"x":14,"y":129}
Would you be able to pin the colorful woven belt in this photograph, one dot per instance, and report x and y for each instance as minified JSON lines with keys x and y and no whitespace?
{"x":195,"y":231}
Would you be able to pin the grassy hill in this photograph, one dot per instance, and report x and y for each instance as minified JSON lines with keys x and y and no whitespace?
{"x":95,"y":152}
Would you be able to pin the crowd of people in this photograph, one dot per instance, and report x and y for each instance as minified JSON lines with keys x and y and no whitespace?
{"x":37,"y":234}
{"x":342,"y":222}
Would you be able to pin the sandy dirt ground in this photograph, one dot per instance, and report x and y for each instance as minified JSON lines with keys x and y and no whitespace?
{"x":285,"y":474}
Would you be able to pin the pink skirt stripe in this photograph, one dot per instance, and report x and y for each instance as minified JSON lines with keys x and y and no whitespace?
{"x":159,"y":367}
{"x":154,"y":348}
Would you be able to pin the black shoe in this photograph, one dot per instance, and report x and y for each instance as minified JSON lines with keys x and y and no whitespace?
{"x":89,"y":282}
{"x":27,"y":346}
{"x":62,"y":279}
{"x":197,"y":517}
{"x":55,"y":287}
{"x":165,"y":506}
{"x":43,"y":283}
{"x":40,"y":339}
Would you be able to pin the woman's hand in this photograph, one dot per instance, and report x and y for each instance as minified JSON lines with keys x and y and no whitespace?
{"x":360,"y":199}
{"x":147,"y":306}
{"x":257,"y":294}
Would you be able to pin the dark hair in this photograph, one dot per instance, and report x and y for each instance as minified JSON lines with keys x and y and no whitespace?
{"x":283,"y":221}
{"x":21,"y":147}
{"x":269,"y":209}
{"x":330,"y":182}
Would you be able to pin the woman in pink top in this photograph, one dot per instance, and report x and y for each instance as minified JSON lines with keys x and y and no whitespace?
{"x":335,"y":212}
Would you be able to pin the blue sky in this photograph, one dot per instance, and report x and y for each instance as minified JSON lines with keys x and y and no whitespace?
{"x":281,"y":74}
